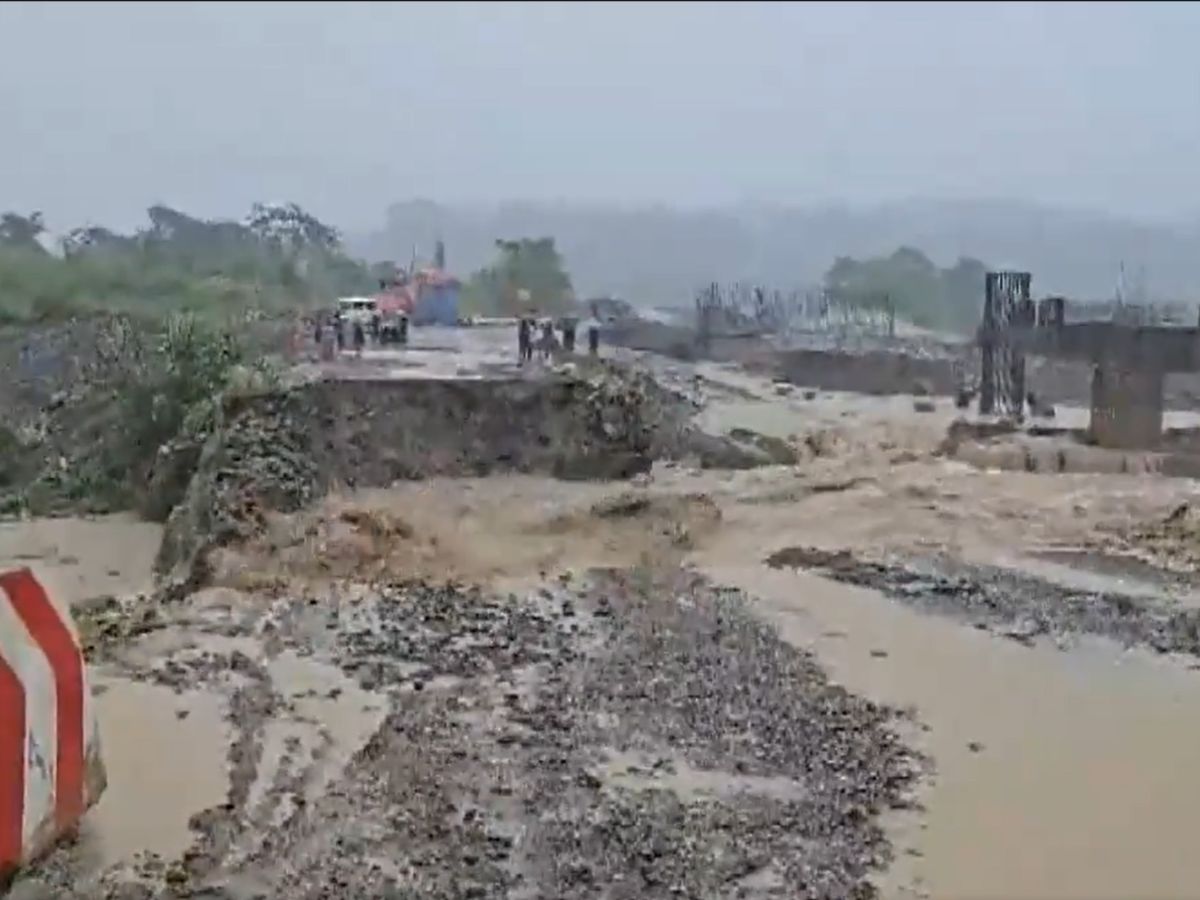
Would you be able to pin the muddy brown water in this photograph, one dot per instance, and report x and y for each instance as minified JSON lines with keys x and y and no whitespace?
{"x":1059,"y":775}
{"x":81,"y":558}
{"x":165,"y":757}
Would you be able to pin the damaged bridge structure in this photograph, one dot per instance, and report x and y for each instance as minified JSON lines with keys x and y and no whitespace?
{"x":1130,"y":355}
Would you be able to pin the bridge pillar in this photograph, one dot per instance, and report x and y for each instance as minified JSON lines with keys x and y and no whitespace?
{"x":1127,"y":407}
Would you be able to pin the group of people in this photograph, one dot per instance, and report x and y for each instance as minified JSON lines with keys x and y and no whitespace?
{"x":548,"y":342}
{"x":329,"y":332}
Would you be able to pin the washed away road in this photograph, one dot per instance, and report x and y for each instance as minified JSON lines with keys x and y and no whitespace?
{"x":512,"y":686}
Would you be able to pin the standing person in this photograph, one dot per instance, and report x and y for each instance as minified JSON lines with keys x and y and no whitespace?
{"x":339,"y":332}
{"x":524,"y":350}
{"x":547,"y":338}
{"x":592,"y":326}
{"x":568,"y":332}
{"x":360,"y":338}
{"x":319,"y":335}
{"x":327,"y":345}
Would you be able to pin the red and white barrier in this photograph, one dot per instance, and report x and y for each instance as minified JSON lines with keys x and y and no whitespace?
{"x":50,"y":766}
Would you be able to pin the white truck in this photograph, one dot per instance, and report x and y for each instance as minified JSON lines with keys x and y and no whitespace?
{"x":357,"y":309}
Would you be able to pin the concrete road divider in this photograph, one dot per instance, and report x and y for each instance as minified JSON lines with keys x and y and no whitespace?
{"x":51,"y":770}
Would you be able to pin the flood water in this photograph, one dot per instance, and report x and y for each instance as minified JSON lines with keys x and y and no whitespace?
{"x":1058,"y":774}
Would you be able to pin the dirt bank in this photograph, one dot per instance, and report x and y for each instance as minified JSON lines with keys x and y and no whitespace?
{"x":278,"y":452}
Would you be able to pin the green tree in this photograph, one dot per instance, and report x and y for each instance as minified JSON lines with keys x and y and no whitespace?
{"x":20,"y":232}
{"x":914,"y":286}
{"x":177,"y":262}
{"x":528,"y":274}
{"x":964,"y":287}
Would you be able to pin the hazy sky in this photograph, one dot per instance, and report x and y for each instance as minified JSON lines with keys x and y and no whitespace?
{"x":106,"y":108}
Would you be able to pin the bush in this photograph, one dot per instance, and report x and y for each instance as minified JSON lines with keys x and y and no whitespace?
{"x":151,"y":390}
{"x":178,"y":384}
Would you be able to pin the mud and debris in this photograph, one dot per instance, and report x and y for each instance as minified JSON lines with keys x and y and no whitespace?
{"x":582,"y":737}
{"x":281,"y":451}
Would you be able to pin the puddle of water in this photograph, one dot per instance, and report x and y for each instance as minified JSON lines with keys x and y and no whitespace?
{"x":1085,"y":784}
{"x":326,"y":698}
{"x":162,"y":769}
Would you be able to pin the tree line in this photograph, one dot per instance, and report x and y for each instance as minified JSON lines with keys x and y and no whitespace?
{"x":277,"y":255}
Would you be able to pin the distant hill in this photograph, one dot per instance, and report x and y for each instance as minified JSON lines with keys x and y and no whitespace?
{"x":659,"y":256}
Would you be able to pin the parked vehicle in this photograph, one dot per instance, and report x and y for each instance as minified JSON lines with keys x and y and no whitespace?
{"x":357,"y":309}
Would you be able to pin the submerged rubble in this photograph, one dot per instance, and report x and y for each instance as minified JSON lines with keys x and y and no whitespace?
{"x":1009,"y":603}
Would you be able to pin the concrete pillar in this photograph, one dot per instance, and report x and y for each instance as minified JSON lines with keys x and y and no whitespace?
{"x":1127,"y":407}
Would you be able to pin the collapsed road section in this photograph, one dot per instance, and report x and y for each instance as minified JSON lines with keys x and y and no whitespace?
{"x":279,"y":451}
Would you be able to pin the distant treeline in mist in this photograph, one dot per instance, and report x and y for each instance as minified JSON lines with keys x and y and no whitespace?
{"x":661,"y":256}
{"x":278,"y":256}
